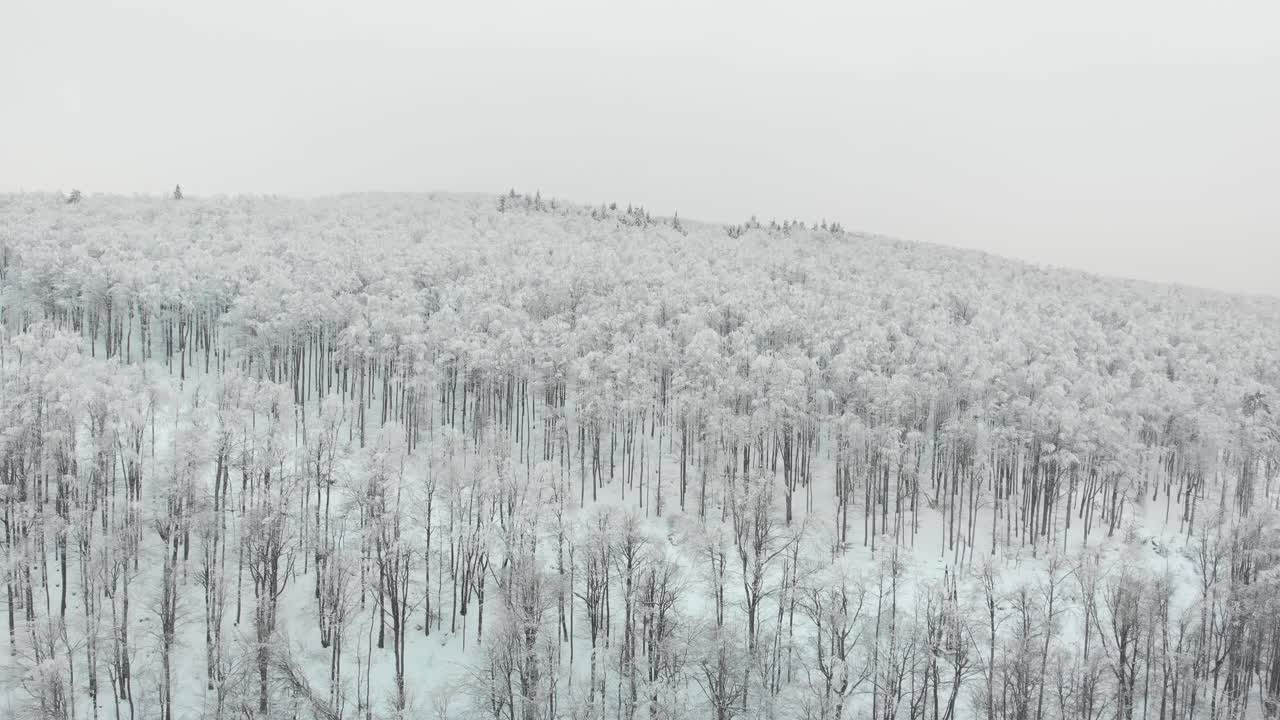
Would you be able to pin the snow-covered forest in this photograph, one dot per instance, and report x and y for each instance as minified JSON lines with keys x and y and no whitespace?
{"x":465,"y":456}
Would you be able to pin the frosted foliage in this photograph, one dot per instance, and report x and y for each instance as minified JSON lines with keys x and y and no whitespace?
{"x":467,"y":456}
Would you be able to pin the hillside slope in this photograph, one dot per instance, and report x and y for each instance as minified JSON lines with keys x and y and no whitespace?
{"x":497,"y":456}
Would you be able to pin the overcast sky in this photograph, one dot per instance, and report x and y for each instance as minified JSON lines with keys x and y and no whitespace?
{"x":1131,"y":138}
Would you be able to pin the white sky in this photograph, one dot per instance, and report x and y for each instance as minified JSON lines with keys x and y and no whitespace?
{"x":1132,"y":138}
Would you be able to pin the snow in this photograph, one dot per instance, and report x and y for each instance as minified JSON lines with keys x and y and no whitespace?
{"x":925,"y":373}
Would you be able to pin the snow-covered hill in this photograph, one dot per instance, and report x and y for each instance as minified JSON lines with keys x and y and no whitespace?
{"x":380,"y":456}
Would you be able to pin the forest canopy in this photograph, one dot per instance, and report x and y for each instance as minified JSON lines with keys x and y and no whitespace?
{"x":698,"y":452}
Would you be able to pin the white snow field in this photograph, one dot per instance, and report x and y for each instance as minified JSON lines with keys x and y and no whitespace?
{"x":471,"y":456}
